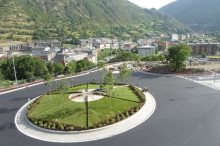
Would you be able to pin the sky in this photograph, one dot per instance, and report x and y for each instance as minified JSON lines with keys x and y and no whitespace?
{"x":151,"y":3}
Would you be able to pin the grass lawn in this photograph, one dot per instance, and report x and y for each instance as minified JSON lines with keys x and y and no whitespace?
{"x":75,"y":113}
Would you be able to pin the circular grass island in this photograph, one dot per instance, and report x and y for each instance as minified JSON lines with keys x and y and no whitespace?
{"x":84,"y":109}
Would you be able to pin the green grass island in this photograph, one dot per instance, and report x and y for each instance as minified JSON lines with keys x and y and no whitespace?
{"x":83,"y":109}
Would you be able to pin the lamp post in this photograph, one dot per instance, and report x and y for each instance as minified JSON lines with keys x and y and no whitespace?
{"x":14,"y":71}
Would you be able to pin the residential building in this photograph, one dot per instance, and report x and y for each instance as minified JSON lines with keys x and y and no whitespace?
{"x":163,"y":46}
{"x":175,"y":37}
{"x":39,"y":50}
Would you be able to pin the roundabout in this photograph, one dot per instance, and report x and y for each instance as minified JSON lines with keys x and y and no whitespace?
{"x":31,"y":130}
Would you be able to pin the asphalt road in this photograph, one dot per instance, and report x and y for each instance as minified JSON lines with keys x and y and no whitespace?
{"x":187,"y":114}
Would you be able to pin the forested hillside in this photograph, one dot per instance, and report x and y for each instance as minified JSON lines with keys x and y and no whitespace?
{"x":24,"y":20}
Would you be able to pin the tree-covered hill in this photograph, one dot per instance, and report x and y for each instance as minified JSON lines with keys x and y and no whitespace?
{"x":202,"y":15}
{"x":24,"y":20}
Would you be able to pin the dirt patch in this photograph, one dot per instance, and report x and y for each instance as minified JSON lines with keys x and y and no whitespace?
{"x":208,"y":67}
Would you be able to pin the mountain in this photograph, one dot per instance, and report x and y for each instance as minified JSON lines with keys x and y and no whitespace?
{"x":202,"y":15}
{"x":24,"y":20}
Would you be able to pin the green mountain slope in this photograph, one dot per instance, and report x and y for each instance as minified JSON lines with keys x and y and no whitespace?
{"x":202,"y":15}
{"x":24,"y":20}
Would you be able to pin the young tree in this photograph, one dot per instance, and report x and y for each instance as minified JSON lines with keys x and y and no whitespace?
{"x":63,"y":88}
{"x":101,"y":64}
{"x":48,"y":80}
{"x":124,"y":73}
{"x":70,"y":68}
{"x":108,"y":82}
{"x":177,"y":56}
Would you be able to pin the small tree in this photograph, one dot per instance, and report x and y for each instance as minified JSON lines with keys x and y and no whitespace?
{"x":63,"y":88}
{"x":108,"y":82}
{"x":48,"y":80}
{"x":124,"y":73}
{"x":177,"y":56}
{"x":101,"y":64}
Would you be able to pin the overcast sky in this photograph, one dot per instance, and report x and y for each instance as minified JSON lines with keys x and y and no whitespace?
{"x":151,"y":3}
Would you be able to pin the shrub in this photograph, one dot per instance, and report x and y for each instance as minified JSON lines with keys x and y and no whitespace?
{"x":45,"y":124}
{"x":140,"y":94}
{"x":72,"y":128}
{"x":36,"y":122}
{"x":118,"y":118}
{"x":106,"y":121}
{"x":127,"y":114}
{"x":67,"y":128}
{"x":100,"y":125}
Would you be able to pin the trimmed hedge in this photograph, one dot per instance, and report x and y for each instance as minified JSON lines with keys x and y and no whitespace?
{"x":139,"y":93}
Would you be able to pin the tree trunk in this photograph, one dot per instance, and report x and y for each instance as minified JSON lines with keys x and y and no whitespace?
{"x":63,"y":104}
{"x":110,"y":96}
{"x":49,"y":93}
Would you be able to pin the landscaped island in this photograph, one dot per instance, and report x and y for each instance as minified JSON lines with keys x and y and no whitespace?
{"x":82,"y":108}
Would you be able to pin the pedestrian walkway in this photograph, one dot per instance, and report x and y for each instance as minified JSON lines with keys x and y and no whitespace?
{"x":82,"y":136}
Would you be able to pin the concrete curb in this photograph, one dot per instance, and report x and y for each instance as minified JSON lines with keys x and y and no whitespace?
{"x":89,"y":135}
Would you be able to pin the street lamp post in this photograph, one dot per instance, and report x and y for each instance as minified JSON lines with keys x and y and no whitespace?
{"x":15,"y":71}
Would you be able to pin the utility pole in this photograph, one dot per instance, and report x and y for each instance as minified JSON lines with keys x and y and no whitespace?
{"x":15,"y":71}
{"x":214,"y":77}
{"x":151,"y":57}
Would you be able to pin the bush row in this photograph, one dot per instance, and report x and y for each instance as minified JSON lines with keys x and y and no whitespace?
{"x":33,"y":105}
{"x":139,"y":93}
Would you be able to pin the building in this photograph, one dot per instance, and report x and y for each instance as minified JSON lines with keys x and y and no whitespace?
{"x":175,"y":37}
{"x":183,"y":37}
{"x":42,"y":44}
{"x":163,"y":46}
{"x":200,"y":48}
{"x":2,"y":53}
{"x":146,"y":50}
{"x":39,"y":50}
{"x":1,"y":50}
{"x":97,"y":43}
{"x":51,"y":44}
{"x":55,"y":44}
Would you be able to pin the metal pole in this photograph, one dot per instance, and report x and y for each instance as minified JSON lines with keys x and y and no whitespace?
{"x":15,"y":71}
{"x":215,"y":77}
{"x":151,"y":56}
